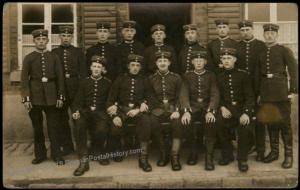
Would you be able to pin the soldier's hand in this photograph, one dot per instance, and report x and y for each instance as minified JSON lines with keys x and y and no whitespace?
{"x":76,"y":115}
{"x":175,"y":115}
{"x":133,"y":112}
{"x":258,"y":100}
{"x":225,"y":112}
{"x":291,"y":96}
{"x":28,"y":105}
{"x":210,"y":118}
{"x":59,"y":103}
{"x":112,"y":110}
{"x":244,"y":119}
{"x":186,"y":118}
{"x":144,"y":107}
{"x":117,"y":121}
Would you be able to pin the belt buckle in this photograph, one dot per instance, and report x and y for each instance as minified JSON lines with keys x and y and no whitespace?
{"x":233,"y":103}
{"x":270,"y":76}
{"x":44,"y":79}
{"x":130,"y":105}
{"x":93,"y":108}
{"x":67,"y":75}
{"x":200,"y":100}
{"x":165,"y":101}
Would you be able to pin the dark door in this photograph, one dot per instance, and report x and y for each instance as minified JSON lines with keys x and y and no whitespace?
{"x":172,"y":15}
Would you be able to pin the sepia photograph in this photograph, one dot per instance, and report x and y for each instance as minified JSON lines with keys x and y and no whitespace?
{"x":149,"y":95}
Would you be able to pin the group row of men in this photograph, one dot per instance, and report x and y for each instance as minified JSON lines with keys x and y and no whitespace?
{"x":228,"y":85}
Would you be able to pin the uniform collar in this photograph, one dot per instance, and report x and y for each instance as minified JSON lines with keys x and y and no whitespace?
{"x":191,"y":43}
{"x":99,"y":43}
{"x":128,"y":42}
{"x":66,"y":47}
{"x":41,"y":51}
{"x":96,"y":78}
{"x":161,"y":74}
{"x":271,"y":45}
{"x":223,"y":38}
{"x":247,"y":41}
{"x":199,"y":73}
{"x":132,"y":75}
{"x":229,"y":71}
{"x":159,"y":45}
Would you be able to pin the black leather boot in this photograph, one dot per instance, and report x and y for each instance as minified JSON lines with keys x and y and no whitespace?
{"x":274,"y":142}
{"x":193,"y":158}
{"x":164,"y":157}
{"x":209,"y":162}
{"x":243,"y":166}
{"x":144,"y":164}
{"x":260,"y":157}
{"x":176,"y":166}
{"x":83,"y":167}
{"x":38,"y":160}
{"x":59,"y":160}
{"x":288,"y":151}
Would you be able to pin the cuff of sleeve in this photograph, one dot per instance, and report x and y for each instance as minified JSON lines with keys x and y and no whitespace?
{"x":213,"y":111}
{"x":25,"y":99}
{"x":61,"y":97}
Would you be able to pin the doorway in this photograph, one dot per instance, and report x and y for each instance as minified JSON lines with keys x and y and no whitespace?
{"x":172,"y":15}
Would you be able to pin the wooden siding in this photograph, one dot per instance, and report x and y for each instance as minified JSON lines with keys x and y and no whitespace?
{"x":5,"y":42}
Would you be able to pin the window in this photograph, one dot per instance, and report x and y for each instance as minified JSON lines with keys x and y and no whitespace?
{"x":284,"y":14}
{"x":49,"y":16}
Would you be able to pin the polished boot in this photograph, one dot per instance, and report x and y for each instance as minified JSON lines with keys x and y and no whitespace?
{"x":288,"y":152}
{"x":144,"y":164}
{"x":243,"y":166}
{"x":59,"y":160}
{"x":260,"y":157}
{"x":274,"y":142}
{"x":193,"y":158}
{"x":209,"y":162}
{"x":164,"y":158}
{"x":38,"y":160}
{"x":83,"y":167}
{"x":226,"y":160}
{"x":176,"y":166}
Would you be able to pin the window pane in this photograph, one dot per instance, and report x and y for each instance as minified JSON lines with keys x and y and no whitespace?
{"x":259,"y":12}
{"x":27,"y":29}
{"x":287,"y":12}
{"x":33,"y":13}
{"x":62,"y":13}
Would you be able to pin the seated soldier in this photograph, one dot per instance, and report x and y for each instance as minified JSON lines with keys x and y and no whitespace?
{"x":203,"y":96}
{"x":127,"y":103}
{"x":166,"y":87}
{"x":236,"y":103}
{"x":90,"y":115}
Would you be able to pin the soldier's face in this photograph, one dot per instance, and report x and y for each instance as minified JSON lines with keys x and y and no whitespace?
{"x":223,"y":30}
{"x":96,"y":68}
{"x":66,"y":39}
{"x":102,"y":34}
{"x":228,"y":61}
{"x":270,"y":36}
{"x":191,"y":35}
{"x":163,"y":64}
{"x":128,"y":33}
{"x":246,"y":33}
{"x":41,"y":42}
{"x":159,"y":36}
{"x":134,"y":68}
{"x":199,"y":63}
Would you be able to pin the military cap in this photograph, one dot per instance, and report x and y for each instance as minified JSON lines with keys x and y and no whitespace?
{"x":198,"y":54}
{"x":66,"y":29}
{"x":221,"y":21}
{"x":163,"y":54}
{"x":245,"y":23}
{"x":135,"y":58}
{"x":99,"y":59}
{"x":129,"y":24}
{"x":103,"y":25}
{"x":189,"y":27}
{"x":157,"y":27}
{"x":228,"y":51}
{"x":39,"y":32}
{"x":271,"y":27}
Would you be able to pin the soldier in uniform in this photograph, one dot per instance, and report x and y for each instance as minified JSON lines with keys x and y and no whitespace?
{"x":74,"y":68}
{"x":104,"y":49}
{"x":129,"y":45}
{"x":89,"y":111}
{"x":236,"y":105}
{"x":215,"y":46}
{"x":184,"y":58}
{"x":248,"y":50}
{"x":159,"y":35}
{"x":203,"y":96}
{"x":274,"y":94}
{"x":42,"y":89}
{"x":167,"y":101}
{"x":127,"y":103}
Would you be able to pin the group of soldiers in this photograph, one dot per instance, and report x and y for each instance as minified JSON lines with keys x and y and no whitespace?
{"x":230,"y":91}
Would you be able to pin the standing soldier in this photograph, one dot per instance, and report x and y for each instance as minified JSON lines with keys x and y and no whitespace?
{"x":215,"y":46}
{"x":203,"y":96}
{"x":90,"y":114}
{"x":236,"y":103}
{"x":167,"y":89}
{"x":104,"y":49}
{"x":274,"y":94}
{"x":74,"y":68}
{"x":159,"y":35}
{"x":129,"y":45}
{"x":184,"y":58}
{"x":42,"y":89}
{"x":127,"y":102}
{"x":248,"y":50}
